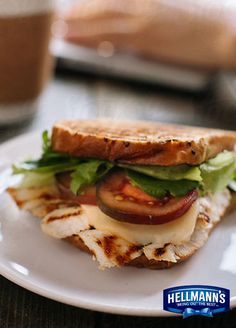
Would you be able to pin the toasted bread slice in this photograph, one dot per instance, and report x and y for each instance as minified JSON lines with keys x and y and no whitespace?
{"x":140,"y":142}
{"x":65,"y":220}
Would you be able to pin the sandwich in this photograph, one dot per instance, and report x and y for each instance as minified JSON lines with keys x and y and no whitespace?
{"x":130,"y":193}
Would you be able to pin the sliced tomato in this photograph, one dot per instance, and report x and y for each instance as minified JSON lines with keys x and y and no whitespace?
{"x":136,"y":193}
{"x":87,"y":196}
{"x":127,"y":203}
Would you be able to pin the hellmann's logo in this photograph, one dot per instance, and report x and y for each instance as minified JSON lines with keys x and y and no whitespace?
{"x":196,"y":300}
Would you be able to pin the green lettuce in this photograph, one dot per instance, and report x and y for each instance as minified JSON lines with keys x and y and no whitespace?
{"x":50,"y":161}
{"x":218,"y":172}
{"x":36,"y":167}
{"x":31,"y":179}
{"x":88,"y":173}
{"x":179,"y":172}
{"x":212,"y":176}
{"x":159,"y":188}
{"x":42,"y":171}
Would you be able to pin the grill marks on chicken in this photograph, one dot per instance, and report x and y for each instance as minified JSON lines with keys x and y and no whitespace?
{"x":65,"y":220}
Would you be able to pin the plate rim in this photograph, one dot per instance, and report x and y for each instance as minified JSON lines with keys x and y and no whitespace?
{"x":16,"y":278}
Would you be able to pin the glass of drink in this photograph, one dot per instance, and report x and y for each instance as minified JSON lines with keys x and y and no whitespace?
{"x":25,"y":62}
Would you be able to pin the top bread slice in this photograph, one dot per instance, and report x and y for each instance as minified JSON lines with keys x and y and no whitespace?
{"x":139,"y":142}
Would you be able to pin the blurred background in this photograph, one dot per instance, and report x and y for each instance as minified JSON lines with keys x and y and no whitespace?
{"x":158,"y":60}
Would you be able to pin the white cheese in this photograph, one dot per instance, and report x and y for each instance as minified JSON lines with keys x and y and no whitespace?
{"x":176,"y":231}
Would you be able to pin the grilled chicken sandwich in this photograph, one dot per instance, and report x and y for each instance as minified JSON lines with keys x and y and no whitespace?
{"x":141,"y":194}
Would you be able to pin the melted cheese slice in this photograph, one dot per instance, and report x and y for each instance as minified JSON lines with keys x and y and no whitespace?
{"x":175,"y":232}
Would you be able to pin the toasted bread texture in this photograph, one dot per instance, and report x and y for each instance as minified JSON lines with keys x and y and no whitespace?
{"x":140,"y":142}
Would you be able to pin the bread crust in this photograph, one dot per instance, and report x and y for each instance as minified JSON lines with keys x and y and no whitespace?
{"x":142,"y":261}
{"x":140,"y":142}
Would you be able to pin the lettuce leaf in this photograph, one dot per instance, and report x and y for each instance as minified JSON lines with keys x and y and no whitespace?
{"x":38,"y":167}
{"x":212,"y":176}
{"x":88,"y":173}
{"x":43,"y":170}
{"x":159,"y":188}
{"x":32,"y":180}
{"x":179,"y":172}
{"x":49,"y":162}
{"x":218,"y":172}
{"x":47,"y":147}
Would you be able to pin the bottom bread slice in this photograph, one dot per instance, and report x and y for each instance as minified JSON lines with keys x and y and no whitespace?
{"x":66,"y":220}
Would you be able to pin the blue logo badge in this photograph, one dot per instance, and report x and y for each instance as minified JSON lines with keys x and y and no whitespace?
{"x":196,"y":300}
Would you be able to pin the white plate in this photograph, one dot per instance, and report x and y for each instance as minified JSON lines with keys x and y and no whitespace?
{"x":59,"y":271}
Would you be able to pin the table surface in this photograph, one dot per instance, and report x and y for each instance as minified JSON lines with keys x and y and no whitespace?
{"x":71,"y":95}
